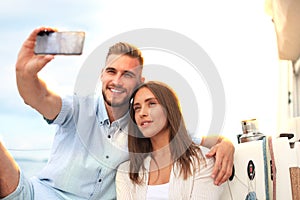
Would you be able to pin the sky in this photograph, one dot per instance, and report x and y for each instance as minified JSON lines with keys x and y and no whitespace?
{"x":238,"y":36}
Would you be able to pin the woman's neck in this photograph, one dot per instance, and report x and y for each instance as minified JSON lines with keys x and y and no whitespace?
{"x":160,"y":168}
{"x":160,"y":140}
{"x":161,"y":158}
{"x":161,"y":163}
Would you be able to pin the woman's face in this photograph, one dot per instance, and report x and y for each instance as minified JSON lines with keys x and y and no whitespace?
{"x":149,"y":114}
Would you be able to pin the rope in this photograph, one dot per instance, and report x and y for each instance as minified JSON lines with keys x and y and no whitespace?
{"x":273,"y":166}
{"x":266,"y":169}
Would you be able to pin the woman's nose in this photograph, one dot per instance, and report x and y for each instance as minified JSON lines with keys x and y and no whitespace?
{"x":143,"y":111}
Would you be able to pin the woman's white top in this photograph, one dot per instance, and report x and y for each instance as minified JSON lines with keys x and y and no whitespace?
{"x":158,"y":192}
{"x":199,"y":186}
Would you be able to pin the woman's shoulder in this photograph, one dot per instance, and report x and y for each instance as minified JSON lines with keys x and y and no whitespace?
{"x":205,"y":162}
{"x":204,"y":150}
{"x":124,"y":166}
{"x":122,"y":172}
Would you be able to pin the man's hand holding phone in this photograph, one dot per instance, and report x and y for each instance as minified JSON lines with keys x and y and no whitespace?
{"x":32,"y":60}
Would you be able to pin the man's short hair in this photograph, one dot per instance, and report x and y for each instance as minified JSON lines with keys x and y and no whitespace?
{"x":123,"y":48}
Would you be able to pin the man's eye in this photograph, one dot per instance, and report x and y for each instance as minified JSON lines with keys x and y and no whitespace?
{"x":110,"y":71}
{"x":128,"y":75}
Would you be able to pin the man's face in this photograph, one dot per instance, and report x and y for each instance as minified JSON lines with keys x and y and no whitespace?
{"x":120,"y":77}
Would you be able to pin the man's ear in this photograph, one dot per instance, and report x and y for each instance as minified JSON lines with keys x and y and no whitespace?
{"x":142,"y":79}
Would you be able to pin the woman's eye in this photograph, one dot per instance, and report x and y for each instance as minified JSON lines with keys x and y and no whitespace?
{"x":152,"y":103}
{"x":136,"y":108}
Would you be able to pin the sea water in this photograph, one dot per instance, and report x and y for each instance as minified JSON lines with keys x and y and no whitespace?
{"x":28,"y":139}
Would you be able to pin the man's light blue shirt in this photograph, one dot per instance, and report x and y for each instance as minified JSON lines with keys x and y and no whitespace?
{"x":86,"y":151}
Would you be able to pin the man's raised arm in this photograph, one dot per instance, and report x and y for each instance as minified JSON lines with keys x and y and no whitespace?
{"x":32,"y":89}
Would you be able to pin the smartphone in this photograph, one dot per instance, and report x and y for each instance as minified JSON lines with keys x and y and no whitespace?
{"x":59,"y":43}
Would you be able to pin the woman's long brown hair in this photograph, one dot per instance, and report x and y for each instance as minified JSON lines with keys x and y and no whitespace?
{"x":183,"y":151}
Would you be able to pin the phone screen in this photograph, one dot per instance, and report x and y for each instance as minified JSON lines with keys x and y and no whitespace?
{"x":60,"y":43}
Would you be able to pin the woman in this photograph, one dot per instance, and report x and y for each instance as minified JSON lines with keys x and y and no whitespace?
{"x":164,"y":162}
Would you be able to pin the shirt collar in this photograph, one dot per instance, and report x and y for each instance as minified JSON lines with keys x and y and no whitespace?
{"x":101,"y":113}
{"x":103,"y":118}
{"x":123,"y":121}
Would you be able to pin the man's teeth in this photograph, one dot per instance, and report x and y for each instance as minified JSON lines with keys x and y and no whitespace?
{"x":114,"y":90}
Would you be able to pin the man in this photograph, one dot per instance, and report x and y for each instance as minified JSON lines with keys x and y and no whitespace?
{"x":91,"y":140}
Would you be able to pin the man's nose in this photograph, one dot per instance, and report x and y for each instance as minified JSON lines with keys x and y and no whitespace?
{"x":117,"y":79}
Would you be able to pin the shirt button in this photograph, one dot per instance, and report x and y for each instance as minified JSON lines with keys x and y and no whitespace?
{"x":109,"y":136}
{"x":107,"y":157}
{"x":99,"y":180}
